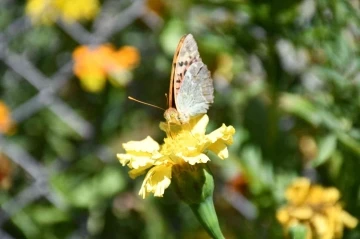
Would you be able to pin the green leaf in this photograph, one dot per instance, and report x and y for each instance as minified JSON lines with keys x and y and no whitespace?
{"x":298,"y":231}
{"x":48,"y":215}
{"x":85,"y":191}
{"x":259,"y":173}
{"x":301,"y":107}
{"x":349,"y":142}
{"x":327,"y":147}
{"x":171,"y":35}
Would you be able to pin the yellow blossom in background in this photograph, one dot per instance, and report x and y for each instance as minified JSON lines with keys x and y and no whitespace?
{"x":73,"y":10}
{"x":185,"y":144}
{"x":41,"y":11}
{"x":6,"y":123}
{"x":48,"y":11}
{"x":317,"y":208}
{"x":94,"y":64}
{"x":224,"y":70}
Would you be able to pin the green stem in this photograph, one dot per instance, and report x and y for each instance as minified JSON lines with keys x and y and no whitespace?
{"x":206,"y":214}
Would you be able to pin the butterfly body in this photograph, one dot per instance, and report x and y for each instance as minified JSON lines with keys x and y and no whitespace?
{"x":191,"y":85}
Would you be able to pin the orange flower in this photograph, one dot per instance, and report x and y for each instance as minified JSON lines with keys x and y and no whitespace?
{"x":94,"y":64}
{"x":6,"y":123}
{"x":89,"y":66}
{"x":126,"y":57}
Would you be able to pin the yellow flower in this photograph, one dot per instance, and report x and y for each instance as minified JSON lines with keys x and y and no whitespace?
{"x":6,"y":123}
{"x":184,"y":145}
{"x":41,"y":11}
{"x":94,"y":64}
{"x":48,"y":11}
{"x":315,"y":207}
{"x":73,"y":10}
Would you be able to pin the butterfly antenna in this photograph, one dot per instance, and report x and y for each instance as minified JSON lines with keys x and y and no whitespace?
{"x":167,"y":99}
{"x":142,"y":102}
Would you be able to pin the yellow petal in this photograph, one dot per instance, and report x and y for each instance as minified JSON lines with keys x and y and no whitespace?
{"x":315,"y":195}
{"x":139,"y":154}
{"x":93,"y":83}
{"x":220,"y":149}
{"x":331,"y":195}
{"x":135,"y":162}
{"x":298,"y":191}
{"x":348,"y":220}
{"x":139,"y":171}
{"x":201,"y":158}
{"x":301,"y":213}
{"x":124,"y":158}
{"x":156,"y":181}
{"x":219,"y":139}
{"x":224,"y":133}
{"x":146,"y":145}
{"x":198,"y":124}
{"x":283,"y":216}
{"x":321,"y":225}
{"x":338,"y":222}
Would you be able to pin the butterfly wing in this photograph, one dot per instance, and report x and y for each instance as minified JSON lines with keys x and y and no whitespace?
{"x":186,"y":54}
{"x":196,"y":93}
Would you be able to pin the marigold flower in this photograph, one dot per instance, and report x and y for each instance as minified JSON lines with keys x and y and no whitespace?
{"x":6,"y":123}
{"x":88,"y":66}
{"x":48,"y":11}
{"x":315,"y":207}
{"x":126,"y":57}
{"x":73,"y":10}
{"x":184,"y":145}
{"x":94,"y":64}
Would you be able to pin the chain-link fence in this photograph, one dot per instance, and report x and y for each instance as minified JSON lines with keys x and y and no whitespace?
{"x":47,"y":87}
{"x":286,"y":77}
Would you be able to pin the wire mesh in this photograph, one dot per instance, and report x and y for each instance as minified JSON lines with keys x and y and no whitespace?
{"x":47,"y":88}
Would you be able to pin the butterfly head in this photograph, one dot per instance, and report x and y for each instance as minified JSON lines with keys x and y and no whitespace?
{"x":172,"y":116}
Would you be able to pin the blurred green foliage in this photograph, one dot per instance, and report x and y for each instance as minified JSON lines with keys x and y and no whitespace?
{"x":287,"y":77}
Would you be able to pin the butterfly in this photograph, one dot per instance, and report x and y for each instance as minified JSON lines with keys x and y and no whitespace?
{"x":191,"y":89}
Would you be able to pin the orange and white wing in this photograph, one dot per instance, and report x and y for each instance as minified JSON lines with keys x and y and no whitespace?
{"x":186,"y":54}
{"x":196,"y":93}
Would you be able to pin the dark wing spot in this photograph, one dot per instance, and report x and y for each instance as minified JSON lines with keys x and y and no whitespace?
{"x":180,"y":74}
{"x":186,"y":63}
{"x":178,"y":81}
{"x":185,"y":72}
{"x":181,"y":63}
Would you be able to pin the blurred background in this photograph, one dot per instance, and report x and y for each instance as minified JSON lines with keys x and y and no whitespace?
{"x":286,"y":76}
